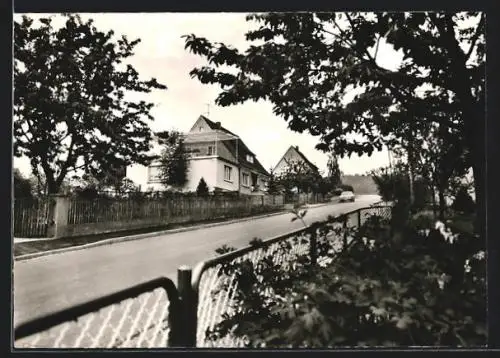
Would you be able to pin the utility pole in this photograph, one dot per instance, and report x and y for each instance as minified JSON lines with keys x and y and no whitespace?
{"x":208,"y":109}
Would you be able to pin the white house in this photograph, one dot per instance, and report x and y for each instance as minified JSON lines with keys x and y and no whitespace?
{"x":293,"y":156}
{"x":218,"y":156}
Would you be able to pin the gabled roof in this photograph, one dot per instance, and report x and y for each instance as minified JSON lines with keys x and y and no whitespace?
{"x":301,"y":155}
{"x":215,"y":126}
{"x":242,"y":156}
{"x":241,"y":148}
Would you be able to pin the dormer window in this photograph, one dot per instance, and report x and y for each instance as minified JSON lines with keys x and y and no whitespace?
{"x":249,"y":158}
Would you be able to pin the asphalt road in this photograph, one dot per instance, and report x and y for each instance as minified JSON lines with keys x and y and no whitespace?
{"x":50,"y":283}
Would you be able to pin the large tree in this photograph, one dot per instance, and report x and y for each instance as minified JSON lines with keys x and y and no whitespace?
{"x":71,"y":109}
{"x":309,"y":64}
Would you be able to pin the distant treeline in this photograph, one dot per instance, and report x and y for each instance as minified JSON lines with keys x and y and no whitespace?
{"x":362,"y":184}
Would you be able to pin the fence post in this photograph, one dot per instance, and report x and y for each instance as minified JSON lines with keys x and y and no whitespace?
{"x":188,"y":307}
{"x":345,"y":231}
{"x":61,"y":211}
{"x":313,"y":248}
{"x":359,"y":218}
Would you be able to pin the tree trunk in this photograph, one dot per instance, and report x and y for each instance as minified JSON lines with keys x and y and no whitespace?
{"x":411,"y":168}
{"x":475,"y":137}
{"x":52,"y":185}
{"x":434,"y":209}
{"x":412,"y":190}
{"x":442,"y":202}
{"x":479,"y":176}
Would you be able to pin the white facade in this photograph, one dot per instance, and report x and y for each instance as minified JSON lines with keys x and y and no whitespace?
{"x":215,"y":154}
{"x":210,"y":168}
{"x":202,"y":167}
{"x":140,"y":175}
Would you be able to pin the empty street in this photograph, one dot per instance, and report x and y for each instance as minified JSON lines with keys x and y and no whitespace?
{"x":50,"y":283}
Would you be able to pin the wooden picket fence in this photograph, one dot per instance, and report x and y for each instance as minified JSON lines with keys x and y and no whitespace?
{"x":112,"y":210}
{"x":31,"y":217}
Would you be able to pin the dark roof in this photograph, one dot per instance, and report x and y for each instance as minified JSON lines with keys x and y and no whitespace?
{"x":243,"y":150}
{"x":304,"y":158}
{"x":216,"y":125}
{"x":242,"y":156}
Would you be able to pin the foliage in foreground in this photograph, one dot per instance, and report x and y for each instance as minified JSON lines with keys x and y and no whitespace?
{"x":410,"y":288}
{"x":322,"y":73}
{"x":463,"y":202}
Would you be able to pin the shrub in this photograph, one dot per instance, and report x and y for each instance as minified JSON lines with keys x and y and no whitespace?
{"x":423,"y":220}
{"x":463,"y":202}
{"x":396,"y":187}
{"x":408,"y":287}
{"x":22,"y":186}
{"x":202,"y":189}
{"x":89,"y":193}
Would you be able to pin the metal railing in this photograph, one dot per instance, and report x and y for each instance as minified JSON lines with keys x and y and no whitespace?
{"x":207,"y":277}
{"x":140,"y":316}
{"x":160,"y":314}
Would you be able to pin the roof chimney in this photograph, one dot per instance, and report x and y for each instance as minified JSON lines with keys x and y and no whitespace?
{"x":217,"y":124}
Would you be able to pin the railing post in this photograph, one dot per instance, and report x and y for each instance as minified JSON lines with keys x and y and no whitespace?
{"x":188,"y":307}
{"x":313,"y":248}
{"x":344,"y":239}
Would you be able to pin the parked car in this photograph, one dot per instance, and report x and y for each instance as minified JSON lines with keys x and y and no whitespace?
{"x":346,"y":196}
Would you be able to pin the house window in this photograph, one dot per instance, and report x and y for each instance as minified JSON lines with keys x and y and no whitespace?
{"x":227,"y":172}
{"x":211,"y":150}
{"x":154,"y":174}
{"x":249,"y":158}
{"x":245,"y":179}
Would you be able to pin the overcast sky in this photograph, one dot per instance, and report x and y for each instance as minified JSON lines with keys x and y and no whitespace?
{"x":161,"y":54}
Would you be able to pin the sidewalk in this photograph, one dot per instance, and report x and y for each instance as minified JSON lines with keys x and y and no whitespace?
{"x":30,"y":248}
{"x":18,"y":240}
{"x":307,"y":206}
{"x":159,"y":229}
{"x":25,"y":248}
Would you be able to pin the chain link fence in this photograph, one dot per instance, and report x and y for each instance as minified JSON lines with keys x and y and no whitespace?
{"x":135,"y":318}
{"x":160,"y":314}
{"x":216,"y":287}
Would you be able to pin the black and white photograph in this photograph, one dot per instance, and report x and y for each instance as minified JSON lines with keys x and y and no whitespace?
{"x":267,"y":180}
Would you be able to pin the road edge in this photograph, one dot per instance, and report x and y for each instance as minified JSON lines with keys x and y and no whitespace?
{"x":120,"y":239}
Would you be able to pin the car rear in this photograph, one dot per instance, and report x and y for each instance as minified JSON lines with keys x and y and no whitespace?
{"x":346,"y":196}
